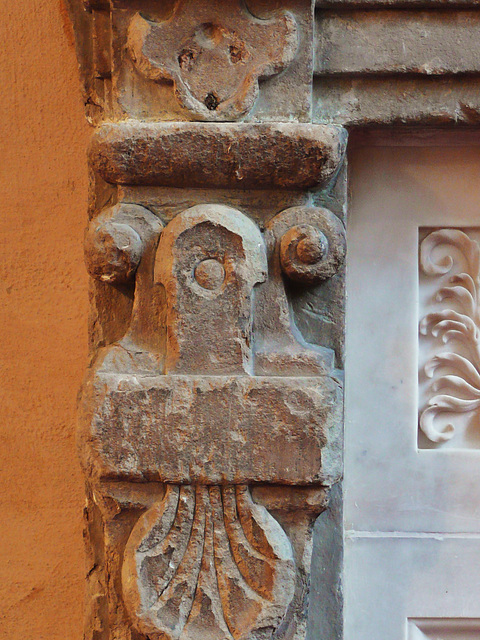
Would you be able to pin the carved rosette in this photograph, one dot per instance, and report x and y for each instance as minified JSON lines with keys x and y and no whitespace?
{"x":209,"y":430}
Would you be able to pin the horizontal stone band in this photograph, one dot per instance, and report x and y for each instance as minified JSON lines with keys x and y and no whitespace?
{"x":223,"y":155}
{"x":209,"y":429}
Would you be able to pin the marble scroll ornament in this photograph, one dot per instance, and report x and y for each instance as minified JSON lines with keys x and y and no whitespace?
{"x":211,"y":406}
{"x":451,"y":259}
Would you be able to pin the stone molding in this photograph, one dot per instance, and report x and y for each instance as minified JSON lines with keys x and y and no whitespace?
{"x":396,"y":63}
{"x":229,"y":156}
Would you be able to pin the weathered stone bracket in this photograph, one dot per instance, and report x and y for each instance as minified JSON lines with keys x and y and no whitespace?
{"x":230,"y":395}
{"x":210,"y":430}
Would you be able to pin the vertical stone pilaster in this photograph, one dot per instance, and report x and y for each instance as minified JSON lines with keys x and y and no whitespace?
{"x":210,"y":422}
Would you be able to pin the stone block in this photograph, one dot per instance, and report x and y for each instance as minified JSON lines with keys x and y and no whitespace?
{"x":246,"y":156}
{"x":210,"y":429}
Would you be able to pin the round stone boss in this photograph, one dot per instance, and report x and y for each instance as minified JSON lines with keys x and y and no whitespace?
{"x":210,"y":274}
{"x":310,"y":242}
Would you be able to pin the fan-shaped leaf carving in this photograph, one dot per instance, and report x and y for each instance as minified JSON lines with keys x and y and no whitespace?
{"x":207,"y":562}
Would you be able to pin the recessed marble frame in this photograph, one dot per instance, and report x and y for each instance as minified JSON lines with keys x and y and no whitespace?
{"x":393,"y":483}
{"x":411,"y":515}
{"x":443,"y":628}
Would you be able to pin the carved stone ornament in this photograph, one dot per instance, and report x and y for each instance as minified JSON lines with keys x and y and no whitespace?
{"x":453,"y":258}
{"x":214,"y":54}
{"x":210,"y":429}
{"x":207,"y":563}
{"x":204,"y":414}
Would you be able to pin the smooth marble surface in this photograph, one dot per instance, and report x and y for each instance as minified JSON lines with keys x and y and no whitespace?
{"x":444,"y":629}
{"x":412,"y":506}
{"x":391,"y":484}
{"x":390,"y":581}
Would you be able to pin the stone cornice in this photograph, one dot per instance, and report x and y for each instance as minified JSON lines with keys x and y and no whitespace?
{"x":397,"y":64}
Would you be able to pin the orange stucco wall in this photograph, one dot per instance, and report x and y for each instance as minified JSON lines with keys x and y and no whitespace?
{"x":43,"y":311}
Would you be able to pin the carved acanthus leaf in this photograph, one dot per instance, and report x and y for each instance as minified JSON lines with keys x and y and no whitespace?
{"x":454,"y":370}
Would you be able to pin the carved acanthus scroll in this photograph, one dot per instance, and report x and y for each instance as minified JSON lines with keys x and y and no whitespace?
{"x":455,"y":367}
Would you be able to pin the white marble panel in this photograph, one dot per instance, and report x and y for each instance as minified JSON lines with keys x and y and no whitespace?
{"x":400,"y":587}
{"x":393,"y":481}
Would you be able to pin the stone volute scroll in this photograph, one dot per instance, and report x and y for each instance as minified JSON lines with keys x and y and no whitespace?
{"x":210,"y":416}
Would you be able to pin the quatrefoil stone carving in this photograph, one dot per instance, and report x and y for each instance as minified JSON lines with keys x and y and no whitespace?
{"x":214,"y":53}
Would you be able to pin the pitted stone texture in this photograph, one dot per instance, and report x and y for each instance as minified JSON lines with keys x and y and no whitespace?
{"x":211,"y":429}
{"x":247,"y":156}
{"x":214,"y":53}
{"x":209,"y":258}
{"x":207,"y":562}
{"x":210,"y":274}
{"x":116,"y":240}
{"x":287,"y":96}
{"x":395,"y":42}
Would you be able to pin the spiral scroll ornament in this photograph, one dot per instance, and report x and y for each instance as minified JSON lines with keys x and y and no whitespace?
{"x":455,"y":369}
{"x":312,"y":250}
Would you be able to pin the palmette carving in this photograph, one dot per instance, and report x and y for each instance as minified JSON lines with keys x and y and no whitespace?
{"x":207,"y":562}
{"x":455,"y":368}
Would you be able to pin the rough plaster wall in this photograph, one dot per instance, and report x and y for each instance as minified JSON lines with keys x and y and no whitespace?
{"x":43,"y":315}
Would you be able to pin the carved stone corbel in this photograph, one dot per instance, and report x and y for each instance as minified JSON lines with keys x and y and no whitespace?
{"x":210,"y":429}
